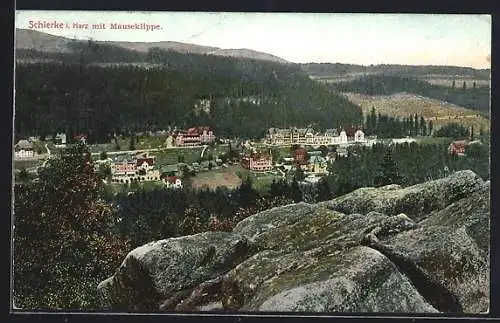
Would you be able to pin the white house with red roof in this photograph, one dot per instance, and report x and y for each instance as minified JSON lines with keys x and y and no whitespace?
{"x":145,"y":161}
{"x":173,"y":182}
{"x":458,"y":147}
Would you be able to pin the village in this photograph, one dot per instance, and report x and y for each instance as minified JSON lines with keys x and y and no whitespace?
{"x":197,"y":150}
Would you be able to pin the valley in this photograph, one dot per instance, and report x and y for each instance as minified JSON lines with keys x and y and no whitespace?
{"x":154,"y":174}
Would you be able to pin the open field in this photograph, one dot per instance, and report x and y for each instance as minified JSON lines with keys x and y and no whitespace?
{"x":260,"y":181}
{"x":232,"y":178}
{"x":171,"y":156}
{"x":222,"y":177}
{"x":404,"y":104}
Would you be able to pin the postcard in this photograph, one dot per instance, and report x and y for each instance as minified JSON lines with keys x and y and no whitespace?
{"x":251,"y":163}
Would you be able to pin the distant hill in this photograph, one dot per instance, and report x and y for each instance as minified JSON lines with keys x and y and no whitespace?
{"x":337,"y":71}
{"x":43,"y":42}
{"x":466,"y":94}
{"x":404,"y":104}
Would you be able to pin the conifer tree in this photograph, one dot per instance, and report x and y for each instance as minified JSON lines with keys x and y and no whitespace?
{"x":132,"y":142}
{"x":323,"y":190}
{"x":423,"y":127}
{"x":388,"y":170}
{"x":295,"y":192}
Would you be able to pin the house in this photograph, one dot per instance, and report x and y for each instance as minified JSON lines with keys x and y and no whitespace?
{"x":81,"y":137}
{"x":61,"y":138}
{"x":173,"y":182}
{"x":24,"y":149}
{"x":301,"y":136}
{"x":300,"y":156}
{"x":194,"y":136}
{"x":187,"y":138}
{"x":331,"y":133}
{"x":343,"y":138}
{"x":206,"y":135}
{"x":287,"y":163}
{"x":276,"y":136}
{"x":123,"y":167}
{"x":257,"y":161}
{"x":144,"y":161}
{"x":342,"y":152}
{"x":457,"y":147}
{"x":99,"y":162}
{"x":169,"y":142}
{"x":359,"y":136}
{"x":307,"y":136}
{"x":350,"y":132}
{"x":317,"y":164}
{"x":355,"y":134}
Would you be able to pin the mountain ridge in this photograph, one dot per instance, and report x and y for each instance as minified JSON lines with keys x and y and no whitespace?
{"x":41,"y":41}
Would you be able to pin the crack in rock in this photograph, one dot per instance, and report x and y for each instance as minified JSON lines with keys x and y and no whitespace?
{"x":435,"y":293}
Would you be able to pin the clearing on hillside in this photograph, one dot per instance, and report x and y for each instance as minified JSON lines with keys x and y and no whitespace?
{"x":404,"y":104}
{"x":215,"y":178}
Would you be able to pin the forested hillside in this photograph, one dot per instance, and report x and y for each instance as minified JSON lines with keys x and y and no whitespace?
{"x":473,"y":97}
{"x":74,"y":95}
{"x":326,"y":70}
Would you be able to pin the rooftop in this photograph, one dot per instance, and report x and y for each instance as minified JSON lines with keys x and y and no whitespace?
{"x":24,"y":144}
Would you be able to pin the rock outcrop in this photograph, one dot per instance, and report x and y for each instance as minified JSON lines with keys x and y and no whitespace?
{"x":419,"y":249}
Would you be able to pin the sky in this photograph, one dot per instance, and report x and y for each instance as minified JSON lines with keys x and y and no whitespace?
{"x":412,"y":39}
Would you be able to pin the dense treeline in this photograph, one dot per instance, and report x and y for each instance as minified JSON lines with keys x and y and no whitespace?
{"x":457,"y":131}
{"x":404,"y":164}
{"x":384,"y":126}
{"x":468,"y":96}
{"x":162,"y":213}
{"x":78,"y":97}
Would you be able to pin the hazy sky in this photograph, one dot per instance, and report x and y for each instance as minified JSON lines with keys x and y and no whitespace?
{"x":462,"y":40}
